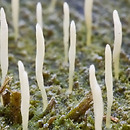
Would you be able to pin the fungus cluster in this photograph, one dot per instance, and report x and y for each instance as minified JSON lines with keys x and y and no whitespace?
{"x":69,"y":32}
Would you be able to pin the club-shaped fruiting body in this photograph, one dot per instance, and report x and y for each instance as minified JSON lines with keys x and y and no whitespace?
{"x":39,"y":14}
{"x":66,"y":22}
{"x":3,"y":45}
{"x":88,"y":19}
{"x":40,"y":52}
{"x":25,"y":95}
{"x":117,"y":42}
{"x":52,"y":6}
{"x":15,"y":17}
{"x":109,"y":83}
{"x":97,"y":98}
{"x":72,"y":53}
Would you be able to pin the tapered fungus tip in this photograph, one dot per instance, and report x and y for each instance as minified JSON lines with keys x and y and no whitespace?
{"x":1,"y":9}
{"x":19,"y":62}
{"x":39,"y":14}
{"x":72,"y":28}
{"x":66,"y":7}
{"x":39,"y":4}
{"x":116,"y":16}
{"x":91,"y":71}
{"x":72,"y":23}
{"x":37,"y":25}
{"x":108,"y":47}
{"x":92,"y":68}
{"x":65,"y":4}
{"x":115,"y":12}
{"x":2,"y":12}
{"x":20,"y":65}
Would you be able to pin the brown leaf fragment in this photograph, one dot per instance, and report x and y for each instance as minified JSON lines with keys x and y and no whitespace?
{"x":6,"y":82}
{"x":81,"y":108}
{"x":15,"y":104}
{"x":50,"y":121}
{"x":6,"y":97}
{"x":49,"y":106}
{"x":114,"y":119}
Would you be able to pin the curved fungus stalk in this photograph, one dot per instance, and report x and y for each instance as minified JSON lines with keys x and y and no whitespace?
{"x":60,"y":110}
{"x":25,"y":95}
{"x":97,"y":98}
{"x":40,"y":52}
{"x":117,"y":42}
{"x":39,"y":14}
{"x":72,"y":53}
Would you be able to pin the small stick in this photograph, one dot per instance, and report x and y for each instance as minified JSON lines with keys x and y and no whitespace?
{"x":81,"y":108}
{"x":49,"y":107}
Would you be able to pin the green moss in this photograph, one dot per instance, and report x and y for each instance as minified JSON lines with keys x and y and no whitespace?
{"x":56,"y":74}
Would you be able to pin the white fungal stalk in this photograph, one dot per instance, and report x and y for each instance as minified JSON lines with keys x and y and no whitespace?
{"x":15,"y":16}
{"x":52,"y":5}
{"x":40,"y":52}
{"x":109,"y":83}
{"x":88,"y":19}
{"x":66,"y":22}
{"x":97,"y":98}
{"x":117,"y":42}
{"x":25,"y":95}
{"x":3,"y":45}
{"x":72,"y":54}
{"x":39,"y":14}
